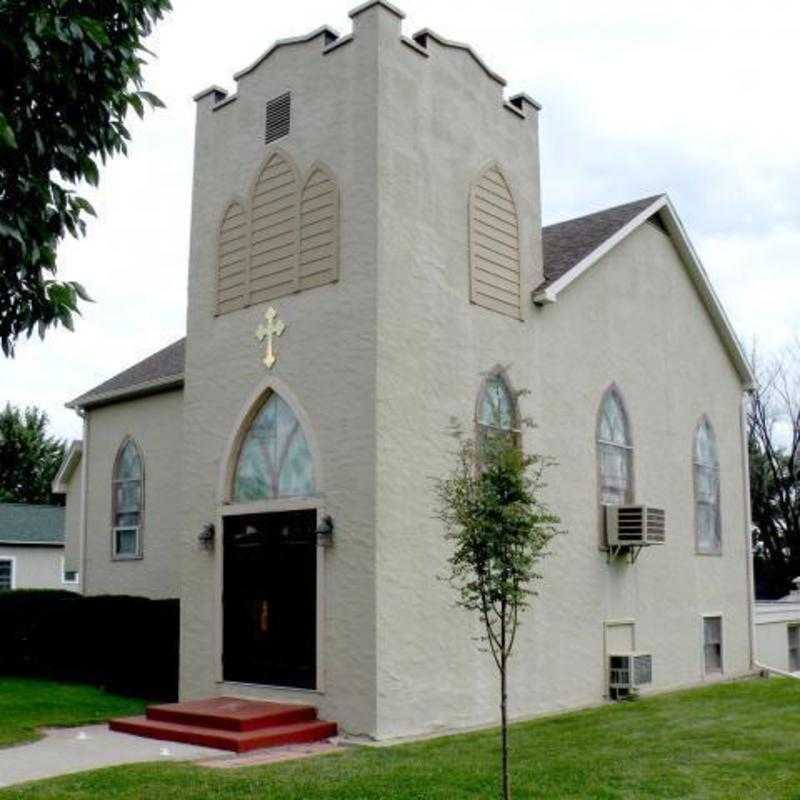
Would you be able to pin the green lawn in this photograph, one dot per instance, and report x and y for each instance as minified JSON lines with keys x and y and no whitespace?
{"x":737,"y":740}
{"x":26,"y":705}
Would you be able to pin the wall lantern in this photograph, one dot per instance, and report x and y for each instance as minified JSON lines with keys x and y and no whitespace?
{"x":206,"y":537}
{"x":325,"y":531}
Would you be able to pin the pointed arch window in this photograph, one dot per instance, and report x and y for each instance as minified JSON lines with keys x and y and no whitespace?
{"x":708,"y":530}
{"x":497,"y":409}
{"x":615,"y":451}
{"x":127,"y":501}
{"x":274,"y":460}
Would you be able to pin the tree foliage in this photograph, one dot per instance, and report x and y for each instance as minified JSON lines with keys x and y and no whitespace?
{"x":70,"y":70}
{"x":29,"y":456}
{"x":500,"y":528}
{"x":774,"y":447}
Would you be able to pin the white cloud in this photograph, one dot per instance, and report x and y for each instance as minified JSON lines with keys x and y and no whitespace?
{"x":692,"y":98}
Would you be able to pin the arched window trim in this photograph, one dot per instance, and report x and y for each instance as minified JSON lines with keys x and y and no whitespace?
{"x":501,"y":374}
{"x":243,"y":432}
{"x":614,"y":391}
{"x":705,"y":422}
{"x":115,"y":554}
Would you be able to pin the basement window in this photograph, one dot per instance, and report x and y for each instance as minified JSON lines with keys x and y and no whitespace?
{"x":712,"y":644}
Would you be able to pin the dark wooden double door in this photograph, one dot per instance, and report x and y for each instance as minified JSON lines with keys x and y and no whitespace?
{"x":270,"y":599}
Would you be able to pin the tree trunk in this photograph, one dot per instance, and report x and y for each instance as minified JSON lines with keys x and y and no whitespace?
{"x":503,"y":708}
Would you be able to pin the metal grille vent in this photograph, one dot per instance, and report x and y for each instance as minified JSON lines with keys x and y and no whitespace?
{"x":279,"y":111}
{"x":630,"y":525}
{"x":656,"y":527}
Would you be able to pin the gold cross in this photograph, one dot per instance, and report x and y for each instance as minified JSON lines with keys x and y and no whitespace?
{"x":274,"y":327}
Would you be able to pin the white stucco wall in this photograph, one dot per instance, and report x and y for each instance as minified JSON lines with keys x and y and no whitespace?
{"x":155,"y":423}
{"x":72,"y":520}
{"x":636,"y":320}
{"x":325,"y":364}
{"x":35,"y":567}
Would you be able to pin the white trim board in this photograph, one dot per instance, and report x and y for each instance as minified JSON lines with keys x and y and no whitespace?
{"x":71,"y":460}
{"x":669,"y":216}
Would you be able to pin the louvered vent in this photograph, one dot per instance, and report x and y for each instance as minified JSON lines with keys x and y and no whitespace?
{"x":232,"y":269}
{"x":494,"y":245}
{"x":635,"y":525}
{"x":319,"y":230}
{"x":279,"y":112}
{"x":285,"y":242}
{"x":274,"y":231}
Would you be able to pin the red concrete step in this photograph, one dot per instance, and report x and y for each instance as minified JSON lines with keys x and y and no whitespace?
{"x":231,"y":713}
{"x":237,"y":741}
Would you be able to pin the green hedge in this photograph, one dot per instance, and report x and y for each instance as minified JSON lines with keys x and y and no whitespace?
{"x":127,"y":645}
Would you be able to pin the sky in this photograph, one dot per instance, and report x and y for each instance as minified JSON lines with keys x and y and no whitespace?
{"x":698,"y":100}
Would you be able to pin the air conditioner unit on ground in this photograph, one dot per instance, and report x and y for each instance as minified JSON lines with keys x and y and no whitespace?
{"x":627,"y":672}
{"x":634,"y":526}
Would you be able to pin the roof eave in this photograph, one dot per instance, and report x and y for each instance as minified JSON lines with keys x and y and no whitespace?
{"x":663,"y":205}
{"x":143,"y":389}
{"x":71,"y":460}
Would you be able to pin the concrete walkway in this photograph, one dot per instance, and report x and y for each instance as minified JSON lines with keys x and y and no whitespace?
{"x":67,"y":750}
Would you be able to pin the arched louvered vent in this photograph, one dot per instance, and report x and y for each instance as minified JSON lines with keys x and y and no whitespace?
{"x":273,"y":231}
{"x":232,"y":263}
{"x":285,"y":242}
{"x":494,"y":245}
{"x":319,"y":230}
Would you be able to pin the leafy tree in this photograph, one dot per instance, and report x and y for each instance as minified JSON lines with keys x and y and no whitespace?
{"x":69,"y":72}
{"x":29,"y":456}
{"x":499,"y":528}
{"x":774,"y":445}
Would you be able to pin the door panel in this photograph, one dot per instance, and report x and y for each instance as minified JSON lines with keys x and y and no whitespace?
{"x":270,"y":599}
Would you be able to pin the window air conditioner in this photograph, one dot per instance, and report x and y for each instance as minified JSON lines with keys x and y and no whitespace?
{"x":627,"y":672}
{"x":634,"y":526}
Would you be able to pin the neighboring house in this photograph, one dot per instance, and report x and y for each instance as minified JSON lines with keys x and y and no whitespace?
{"x":32,"y":548}
{"x":367,"y":261}
{"x":778,"y":632}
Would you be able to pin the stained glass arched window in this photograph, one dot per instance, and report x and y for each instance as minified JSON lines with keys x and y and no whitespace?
{"x":615,"y":451}
{"x":497,"y":408}
{"x":706,"y":489}
{"x":274,"y":460}
{"x":127,"y":501}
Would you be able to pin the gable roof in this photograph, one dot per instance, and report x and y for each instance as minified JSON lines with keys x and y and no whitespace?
{"x":567,"y":243}
{"x":71,"y":460}
{"x":25,"y":523}
{"x":574,"y":246}
{"x":156,"y":373}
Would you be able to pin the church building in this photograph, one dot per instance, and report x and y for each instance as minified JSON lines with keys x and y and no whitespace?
{"x":368,"y":263}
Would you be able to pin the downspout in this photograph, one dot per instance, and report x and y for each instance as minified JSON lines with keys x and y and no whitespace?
{"x":748,"y":532}
{"x":84,"y":528}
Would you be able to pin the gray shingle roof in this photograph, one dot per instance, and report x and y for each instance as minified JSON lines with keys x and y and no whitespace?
{"x":28,"y":524}
{"x":567,"y":243}
{"x":161,"y":370}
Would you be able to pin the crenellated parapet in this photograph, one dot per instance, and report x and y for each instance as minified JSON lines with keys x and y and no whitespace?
{"x":424,"y":43}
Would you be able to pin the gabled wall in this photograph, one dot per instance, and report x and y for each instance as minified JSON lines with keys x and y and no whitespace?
{"x":634,"y":319}
{"x":155,"y":424}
